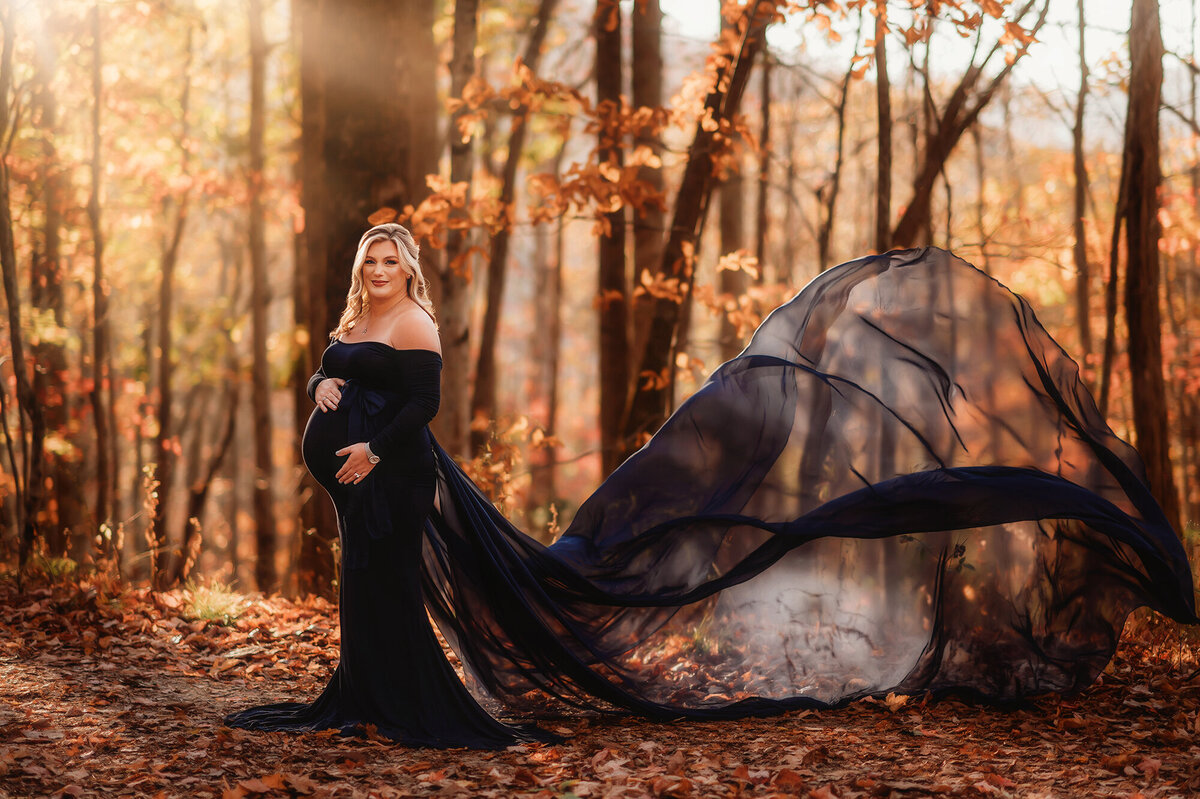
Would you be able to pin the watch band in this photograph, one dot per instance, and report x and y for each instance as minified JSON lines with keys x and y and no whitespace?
{"x":372,"y":458}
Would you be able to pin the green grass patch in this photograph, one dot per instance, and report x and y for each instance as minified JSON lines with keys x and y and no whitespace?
{"x":212,"y":602}
{"x":54,"y":569}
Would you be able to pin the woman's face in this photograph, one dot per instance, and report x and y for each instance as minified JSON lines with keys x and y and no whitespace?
{"x":383,"y":275}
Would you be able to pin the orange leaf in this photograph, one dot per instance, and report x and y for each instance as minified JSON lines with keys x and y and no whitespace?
{"x":788,"y":779}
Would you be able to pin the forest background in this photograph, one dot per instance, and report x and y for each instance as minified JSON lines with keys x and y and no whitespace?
{"x":609,"y":197}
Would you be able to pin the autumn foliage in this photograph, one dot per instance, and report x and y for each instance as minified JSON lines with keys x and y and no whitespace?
{"x":181,"y":189}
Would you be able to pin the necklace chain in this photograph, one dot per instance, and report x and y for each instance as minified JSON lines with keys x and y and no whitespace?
{"x":366,"y":319}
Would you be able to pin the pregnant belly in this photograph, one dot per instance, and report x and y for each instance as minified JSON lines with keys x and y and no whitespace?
{"x":328,"y":431}
{"x":325,"y":434}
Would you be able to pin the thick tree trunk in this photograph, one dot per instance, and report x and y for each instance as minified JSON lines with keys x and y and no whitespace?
{"x":260,"y":399}
{"x":318,"y":521}
{"x":1082,"y":270}
{"x":649,"y":222}
{"x":483,"y":403}
{"x":454,"y":309}
{"x":883,"y":115}
{"x":352,"y":165}
{"x":653,"y":392}
{"x":612,"y":289}
{"x":1143,"y":231}
{"x":310,"y":567}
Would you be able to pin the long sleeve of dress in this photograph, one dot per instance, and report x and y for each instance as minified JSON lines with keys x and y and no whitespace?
{"x":315,"y":381}
{"x":423,"y":378}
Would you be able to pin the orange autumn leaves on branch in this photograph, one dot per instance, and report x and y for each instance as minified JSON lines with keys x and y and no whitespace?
{"x":590,"y":187}
{"x":594,"y":188}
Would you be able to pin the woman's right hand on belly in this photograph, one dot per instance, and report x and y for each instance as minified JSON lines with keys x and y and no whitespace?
{"x":328,"y":393}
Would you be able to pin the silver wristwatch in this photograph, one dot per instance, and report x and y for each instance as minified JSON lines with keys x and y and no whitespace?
{"x":372,"y":458}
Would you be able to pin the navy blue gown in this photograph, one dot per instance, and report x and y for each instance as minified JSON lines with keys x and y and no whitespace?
{"x":901,"y":484}
{"x":392,"y":673}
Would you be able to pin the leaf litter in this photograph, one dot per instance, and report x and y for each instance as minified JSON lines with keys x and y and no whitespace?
{"x":118,"y":694}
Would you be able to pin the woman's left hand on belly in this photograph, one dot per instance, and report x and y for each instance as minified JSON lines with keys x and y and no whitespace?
{"x":356,"y":467}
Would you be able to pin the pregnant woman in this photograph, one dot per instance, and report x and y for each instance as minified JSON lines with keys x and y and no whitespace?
{"x":899,"y":485}
{"x":368,"y":446}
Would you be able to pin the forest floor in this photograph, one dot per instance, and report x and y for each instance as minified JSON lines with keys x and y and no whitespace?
{"x":120,"y":694}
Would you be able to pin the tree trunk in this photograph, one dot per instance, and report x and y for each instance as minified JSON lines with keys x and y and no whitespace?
{"x":101,"y":377}
{"x":1109,"y":350}
{"x":312,"y":310}
{"x":649,"y":222}
{"x":233,"y":511}
{"x":827,"y":194}
{"x":787,"y":271}
{"x":949,"y":191}
{"x":198,"y":489}
{"x":1191,"y":407}
{"x":29,"y":481}
{"x":1082,"y":270}
{"x":311,"y":568}
{"x":732,"y":223}
{"x":165,"y":441}
{"x":46,"y":294}
{"x":883,"y":115}
{"x":355,"y":163}
{"x":1142,"y":233}
{"x":555,"y":336}
{"x":483,"y":404}
{"x":981,"y":198}
{"x":454,"y":308}
{"x":612,"y":289}
{"x":545,"y":346}
{"x":947,"y":127}
{"x":764,"y":166}
{"x":260,"y":400}
{"x":653,"y":392}
{"x":732,"y":284}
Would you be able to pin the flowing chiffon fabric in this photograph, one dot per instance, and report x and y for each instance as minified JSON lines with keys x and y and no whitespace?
{"x":900,"y":485}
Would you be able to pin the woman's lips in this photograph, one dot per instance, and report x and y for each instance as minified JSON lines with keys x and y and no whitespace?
{"x":378,"y":282}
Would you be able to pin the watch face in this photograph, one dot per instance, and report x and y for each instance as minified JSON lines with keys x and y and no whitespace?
{"x":373,"y":459}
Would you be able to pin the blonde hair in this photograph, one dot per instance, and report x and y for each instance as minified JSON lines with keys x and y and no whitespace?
{"x":357,"y":300}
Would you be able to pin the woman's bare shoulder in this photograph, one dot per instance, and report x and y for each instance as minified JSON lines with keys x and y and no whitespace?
{"x":416,"y":330}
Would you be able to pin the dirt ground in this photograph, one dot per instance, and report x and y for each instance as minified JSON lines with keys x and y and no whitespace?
{"x":107,"y":694}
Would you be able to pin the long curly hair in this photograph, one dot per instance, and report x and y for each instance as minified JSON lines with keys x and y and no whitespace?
{"x":357,"y":299}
